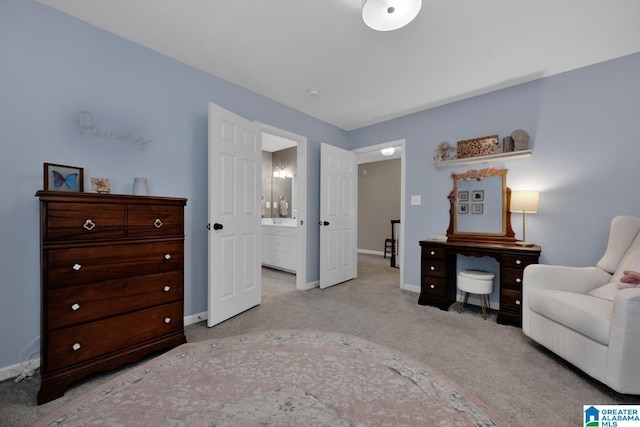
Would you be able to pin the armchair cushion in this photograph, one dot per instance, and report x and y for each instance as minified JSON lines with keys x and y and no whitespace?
{"x":582,"y":313}
{"x":608,"y":291}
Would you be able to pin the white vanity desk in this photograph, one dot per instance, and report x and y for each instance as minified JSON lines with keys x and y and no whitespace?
{"x":279,"y":243}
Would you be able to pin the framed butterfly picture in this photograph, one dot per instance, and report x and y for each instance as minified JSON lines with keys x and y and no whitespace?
{"x":63,"y":178}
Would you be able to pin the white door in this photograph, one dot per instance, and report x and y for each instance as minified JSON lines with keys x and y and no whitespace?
{"x":338,"y":197}
{"x":235,"y":159}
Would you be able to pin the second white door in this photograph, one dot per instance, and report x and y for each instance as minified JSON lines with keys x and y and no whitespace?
{"x":338,"y":216}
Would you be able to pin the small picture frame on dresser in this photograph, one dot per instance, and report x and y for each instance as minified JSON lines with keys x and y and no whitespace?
{"x":101,"y":185}
{"x":63,"y":178}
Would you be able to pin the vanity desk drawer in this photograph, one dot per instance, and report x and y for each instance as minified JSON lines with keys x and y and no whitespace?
{"x":433,"y":287}
{"x":433,"y":267}
{"x":511,"y":278}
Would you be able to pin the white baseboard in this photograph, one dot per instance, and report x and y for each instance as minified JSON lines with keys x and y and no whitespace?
{"x":15,"y":370}
{"x":411,"y":288}
{"x":195,"y":318}
{"x":310,"y":285}
{"x":367,"y":251}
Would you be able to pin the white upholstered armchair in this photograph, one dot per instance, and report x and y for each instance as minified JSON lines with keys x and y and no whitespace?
{"x":579,"y":313}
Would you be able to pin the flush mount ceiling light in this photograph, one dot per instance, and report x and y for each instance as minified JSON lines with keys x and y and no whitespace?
{"x":387,"y":15}
{"x":387,"y":151}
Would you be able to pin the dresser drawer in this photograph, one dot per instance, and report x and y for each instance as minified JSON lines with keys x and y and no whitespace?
{"x":511,"y":301}
{"x":433,"y":267}
{"x":76,"y":266}
{"x":78,"y":304}
{"x":432,"y":253}
{"x":84,"y":221}
{"x":89,"y":340}
{"x":511,"y":278}
{"x":517,"y":261}
{"x":149,"y":221}
{"x":434,"y":287}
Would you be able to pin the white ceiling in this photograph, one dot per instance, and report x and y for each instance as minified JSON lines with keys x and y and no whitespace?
{"x":453,"y":50}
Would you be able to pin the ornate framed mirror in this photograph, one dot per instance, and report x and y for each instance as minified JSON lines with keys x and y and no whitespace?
{"x":480,"y":207}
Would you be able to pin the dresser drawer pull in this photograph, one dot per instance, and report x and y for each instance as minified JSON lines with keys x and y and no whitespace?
{"x":89,"y":225}
{"x":167,"y":288}
{"x":167,"y":256}
{"x":157,"y":223}
{"x":433,"y":286}
{"x":75,"y":306}
{"x":432,"y":253}
{"x":432,"y":268}
{"x":76,"y":267}
{"x":518,"y":262}
{"x":518,"y":280}
{"x":167,"y":319}
{"x":76,"y":346}
{"x":517,"y":302}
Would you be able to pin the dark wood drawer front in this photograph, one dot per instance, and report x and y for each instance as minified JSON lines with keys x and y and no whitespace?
{"x":433,"y":267}
{"x":149,"y":221}
{"x":84,"y":221}
{"x":96,"y":264}
{"x":511,"y":301}
{"x":511,"y":278}
{"x":78,"y":304}
{"x":433,"y":287}
{"x":433,"y":253}
{"x":517,"y":261}
{"x":87,"y":341}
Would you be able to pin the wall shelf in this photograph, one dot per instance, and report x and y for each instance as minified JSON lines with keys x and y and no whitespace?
{"x":512,"y":155}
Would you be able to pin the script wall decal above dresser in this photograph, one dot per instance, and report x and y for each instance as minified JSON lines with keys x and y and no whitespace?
{"x":112,"y":282}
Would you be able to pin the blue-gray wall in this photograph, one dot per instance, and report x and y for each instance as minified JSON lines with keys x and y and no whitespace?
{"x":53,"y":65}
{"x":583,"y":126}
{"x":585,"y":132}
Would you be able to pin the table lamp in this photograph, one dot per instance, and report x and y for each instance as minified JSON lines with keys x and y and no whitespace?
{"x":524,"y":201}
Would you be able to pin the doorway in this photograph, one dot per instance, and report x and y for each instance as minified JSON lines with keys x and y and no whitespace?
{"x":373,"y":154}
{"x":285,"y":202}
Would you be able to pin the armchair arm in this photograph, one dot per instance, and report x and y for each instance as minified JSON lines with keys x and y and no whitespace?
{"x":623,"y":372}
{"x":571,"y":279}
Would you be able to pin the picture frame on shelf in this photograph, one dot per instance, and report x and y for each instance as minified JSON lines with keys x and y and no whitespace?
{"x":63,"y":178}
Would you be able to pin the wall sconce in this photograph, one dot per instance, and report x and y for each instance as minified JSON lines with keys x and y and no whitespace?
{"x":525,"y":201}
{"x":281,"y":172}
{"x":387,"y":151}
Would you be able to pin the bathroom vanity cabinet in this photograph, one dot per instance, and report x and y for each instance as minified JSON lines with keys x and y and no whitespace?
{"x":279,"y":247}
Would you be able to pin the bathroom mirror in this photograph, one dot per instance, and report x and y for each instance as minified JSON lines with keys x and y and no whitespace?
{"x":278,"y":183}
{"x":479,"y":207}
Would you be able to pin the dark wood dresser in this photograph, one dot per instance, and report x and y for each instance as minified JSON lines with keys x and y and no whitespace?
{"x":439,"y":273}
{"x":112,"y":282}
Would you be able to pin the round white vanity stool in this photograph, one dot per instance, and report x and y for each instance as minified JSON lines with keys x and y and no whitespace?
{"x":475,"y":282}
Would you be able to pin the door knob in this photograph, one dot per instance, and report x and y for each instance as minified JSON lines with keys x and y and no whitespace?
{"x":325,"y":223}
{"x":217,"y":226}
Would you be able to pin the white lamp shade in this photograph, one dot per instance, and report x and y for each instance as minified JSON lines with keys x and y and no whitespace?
{"x":524,"y":201}
{"x":387,"y":15}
